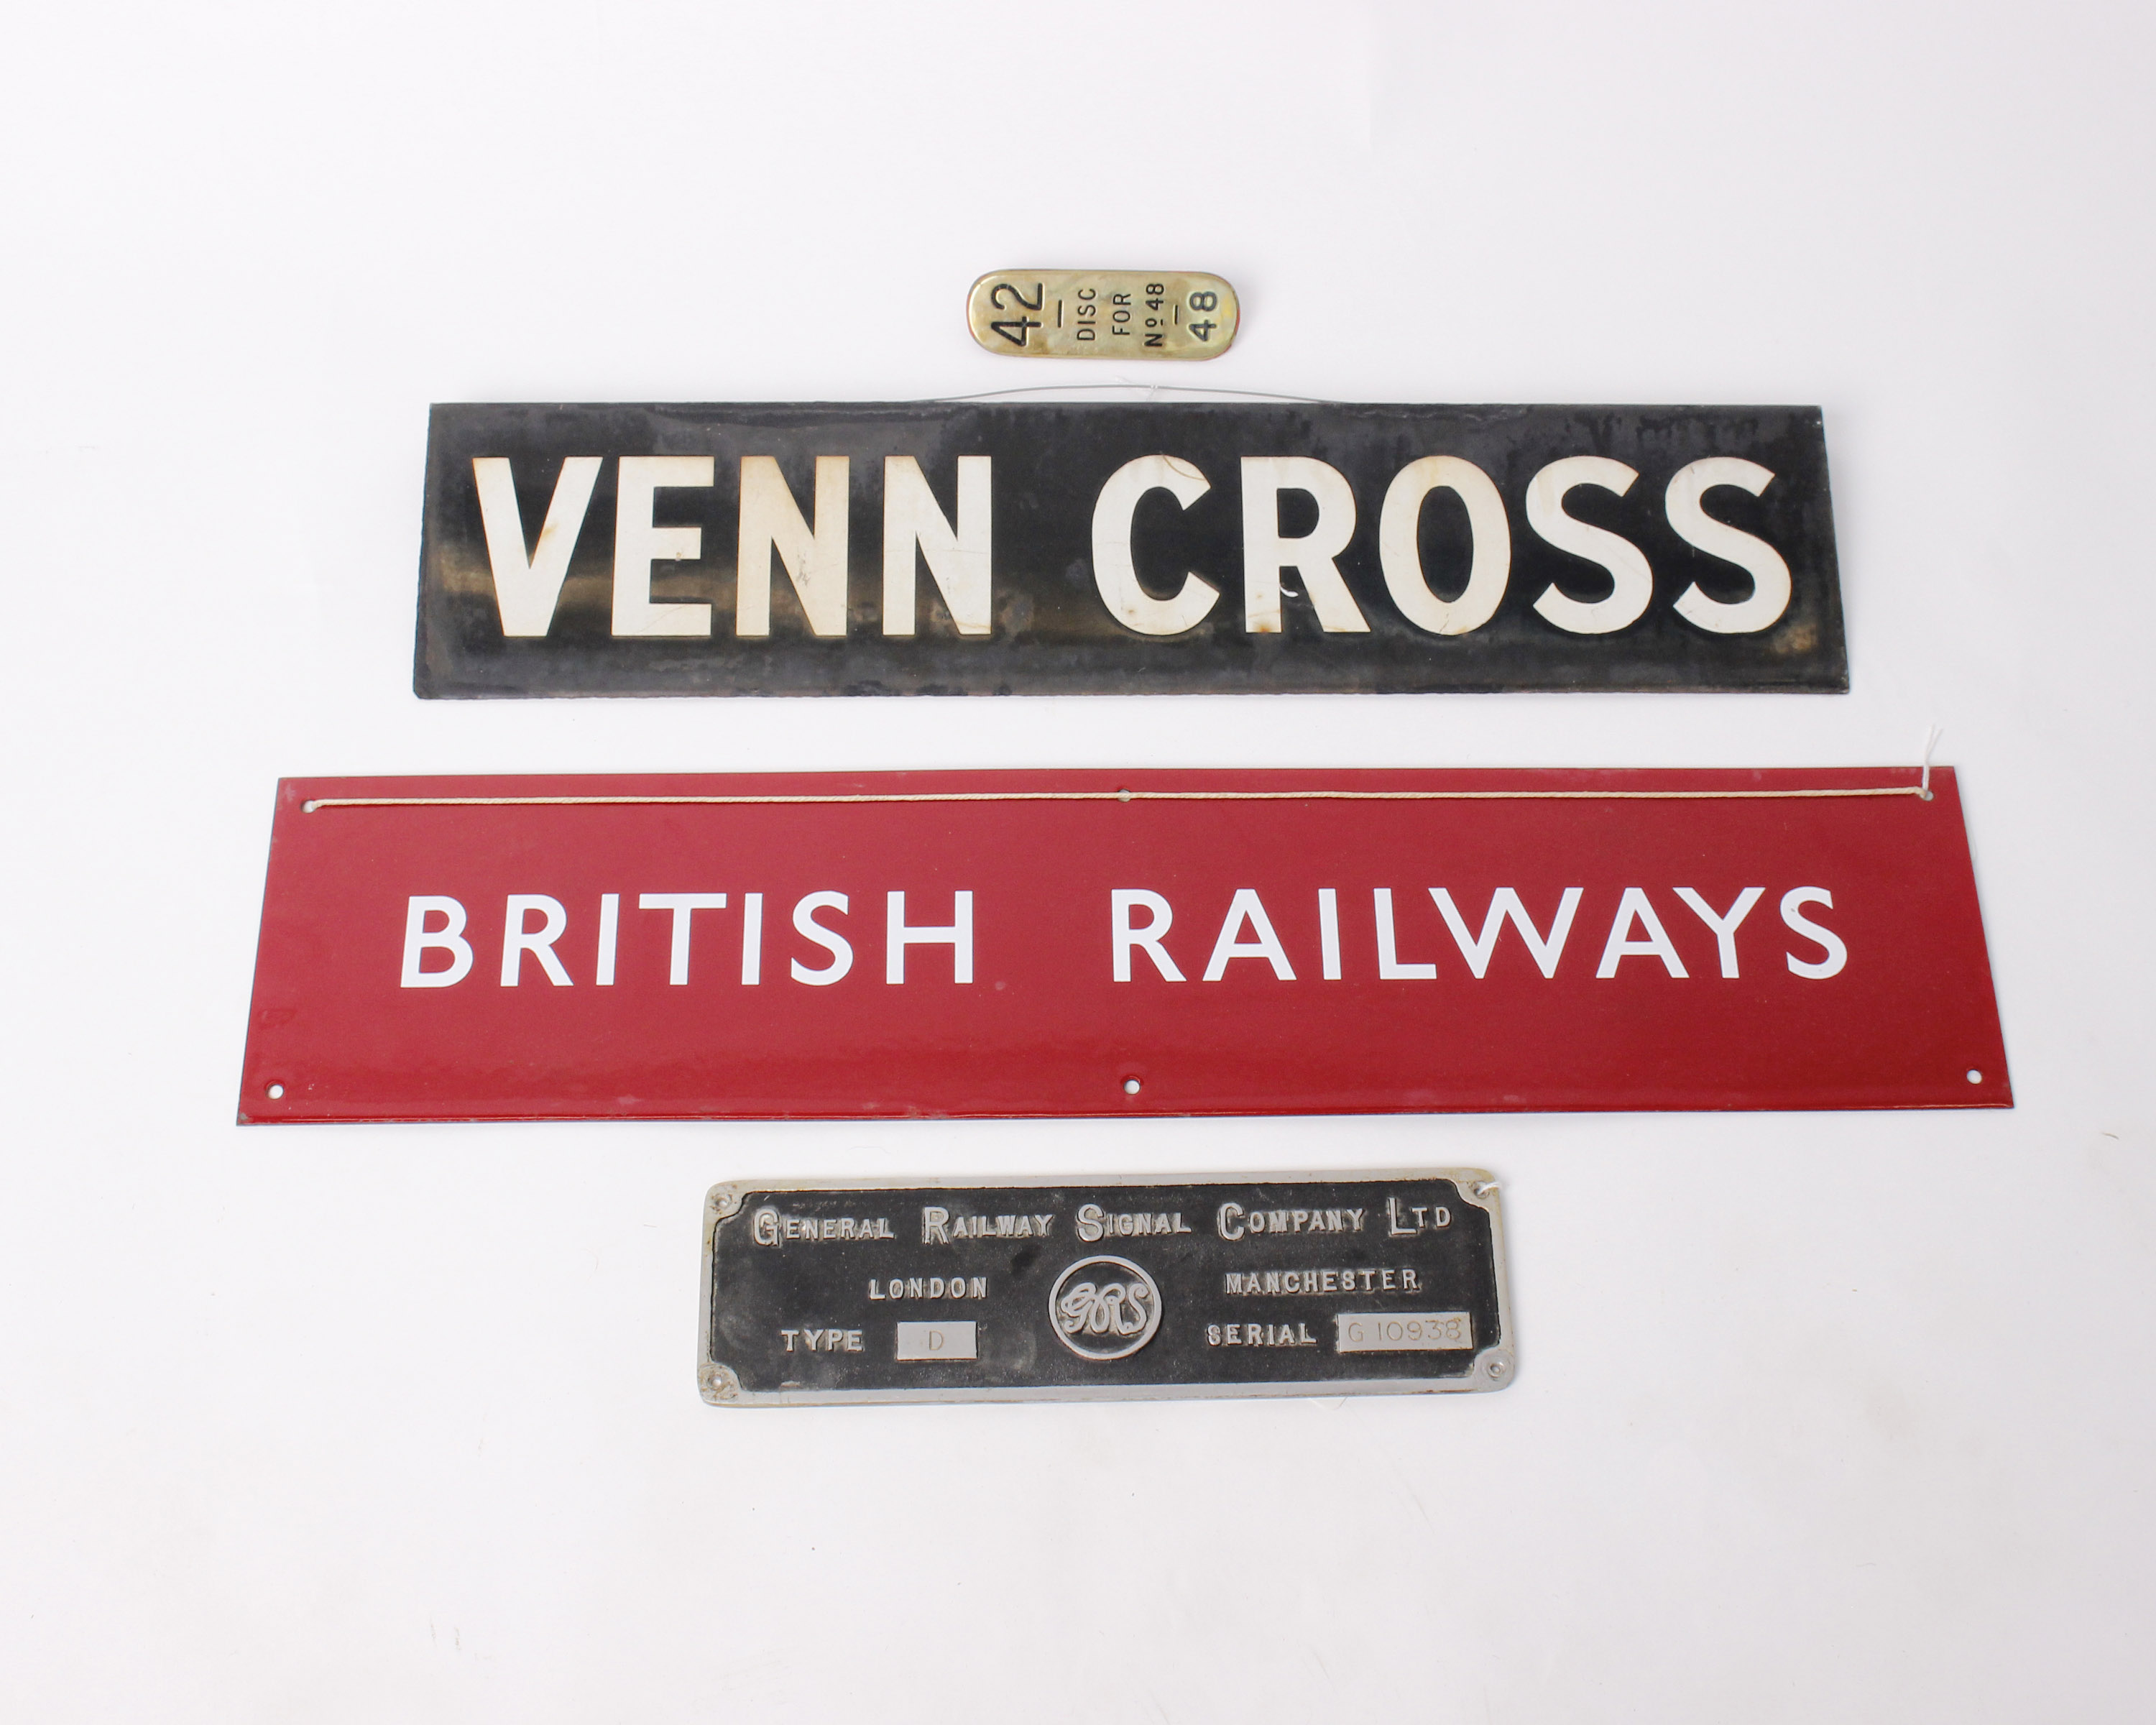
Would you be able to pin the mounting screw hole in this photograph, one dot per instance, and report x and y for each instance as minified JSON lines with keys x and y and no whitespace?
{"x":1122,"y":796}
{"x":276,"y":1092}
{"x":1132,"y":1087}
{"x":1974,"y":1076}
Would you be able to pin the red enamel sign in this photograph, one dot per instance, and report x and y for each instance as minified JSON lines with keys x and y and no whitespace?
{"x":1095,"y":943}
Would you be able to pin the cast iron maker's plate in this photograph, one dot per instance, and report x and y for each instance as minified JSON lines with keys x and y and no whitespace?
{"x":1057,"y":1288}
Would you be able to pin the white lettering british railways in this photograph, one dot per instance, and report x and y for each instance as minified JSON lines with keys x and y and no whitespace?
{"x":1399,"y":943}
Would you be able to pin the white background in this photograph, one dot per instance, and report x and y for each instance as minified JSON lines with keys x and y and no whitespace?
{"x":1827,"y":1417}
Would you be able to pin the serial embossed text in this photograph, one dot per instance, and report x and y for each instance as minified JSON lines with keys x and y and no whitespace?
{"x":939,"y":1227}
{"x":930,"y":1287}
{"x":1234,"y":1222}
{"x":824,"y":1341}
{"x":1094,"y":1223}
{"x":1259,"y":1336}
{"x":1375,"y":1281}
{"x":769,"y":1227}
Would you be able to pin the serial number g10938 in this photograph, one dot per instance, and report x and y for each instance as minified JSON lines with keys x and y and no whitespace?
{"x":1404,"y":1331}
{"x":1103,"y":313}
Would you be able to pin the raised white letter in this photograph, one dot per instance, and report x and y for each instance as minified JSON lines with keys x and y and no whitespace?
{"x":526,"y":594}
{"x":1328,"y":933}
{"x":1490,"y":564}
{"x":1634,"y":580}
{"x":1837,"y":955}
{"x":1264,"y":944}
{"x":836,"y":944}
{"x":959,"y":937}
{"x":751,"y":938}
{"x":1632,"y":908}
{"x":1113,"y":572}
{"x":683,"y":905}
{"x":1770,"y":575}
{"x":1505,"y":902}
{"x":1725,"y":927}
{"x":815,"y":560}
{"x":449,"y":939}
{"x":517,"y":940}
{"x":609,"y":934}
{"x":1121,"y":901}
{"x":957,"y":559}
{"x":1266,"y":553}
{"x":637,"y":545}
{"x":1390,"y":967}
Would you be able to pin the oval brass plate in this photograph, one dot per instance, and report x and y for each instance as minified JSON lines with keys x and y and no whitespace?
{"x":1103,"y":313}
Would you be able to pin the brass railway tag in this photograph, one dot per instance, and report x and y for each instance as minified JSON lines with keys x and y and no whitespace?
{"x":1103,"y":313}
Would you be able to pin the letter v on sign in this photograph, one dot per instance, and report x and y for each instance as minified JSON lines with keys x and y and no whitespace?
{"x":527,"y":590}
{"x":1505,"y":902}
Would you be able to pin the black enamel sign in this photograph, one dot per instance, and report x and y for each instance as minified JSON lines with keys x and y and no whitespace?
{"x":1261,"y":1285}
{"x":958,"y":549}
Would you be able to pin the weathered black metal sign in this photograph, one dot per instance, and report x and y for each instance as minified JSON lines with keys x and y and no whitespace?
{"x":1053,"y":1289}
{"x":948,"y":549}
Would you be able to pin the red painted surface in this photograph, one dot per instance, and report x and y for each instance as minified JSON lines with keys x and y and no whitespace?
{"x":1043,"y":1028}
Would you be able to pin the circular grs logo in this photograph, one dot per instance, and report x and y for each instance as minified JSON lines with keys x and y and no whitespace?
{"x":1104,"y":1307}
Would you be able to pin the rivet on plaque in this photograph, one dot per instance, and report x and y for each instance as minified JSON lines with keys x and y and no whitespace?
{"x":1103,"y":313}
